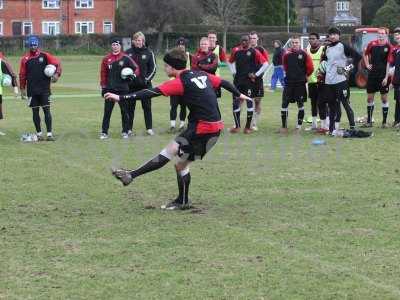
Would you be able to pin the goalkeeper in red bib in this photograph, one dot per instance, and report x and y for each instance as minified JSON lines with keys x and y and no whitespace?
{"x":203,"y":130}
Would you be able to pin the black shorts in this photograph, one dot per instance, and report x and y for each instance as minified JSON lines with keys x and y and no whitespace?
{"x":246,"y":87}
{"x":374,"y":85}
{"x":338,"y":92}
{"x":292,"y":94}
{"x":39,"y":100}
{"x":259,"y":88}
{"x":194,"y":146}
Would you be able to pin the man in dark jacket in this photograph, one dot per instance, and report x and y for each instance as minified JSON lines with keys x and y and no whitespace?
{"x":145,"y":59}
{"x":111,"y":81}
{"x":35,"y":84}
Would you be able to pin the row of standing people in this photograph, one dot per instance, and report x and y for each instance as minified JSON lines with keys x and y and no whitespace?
{"x":324,"y":68}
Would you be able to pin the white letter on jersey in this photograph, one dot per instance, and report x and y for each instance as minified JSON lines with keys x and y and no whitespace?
{"x":200,"y":82}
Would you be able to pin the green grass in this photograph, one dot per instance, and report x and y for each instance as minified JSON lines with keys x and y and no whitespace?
{"x":275,"y":218}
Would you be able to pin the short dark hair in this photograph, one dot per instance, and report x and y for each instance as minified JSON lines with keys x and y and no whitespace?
{"x":314,"y":34}
{"x":211,"y":32}
{"x":253,"y":33}
{"x":334,"y":30}
{"x":176,"y":58}
{"x":295,"y":37}
{"x":396,"y":30}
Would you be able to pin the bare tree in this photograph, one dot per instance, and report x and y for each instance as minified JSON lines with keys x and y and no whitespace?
{"x":225,"y":13}
{"x":157,"y":16}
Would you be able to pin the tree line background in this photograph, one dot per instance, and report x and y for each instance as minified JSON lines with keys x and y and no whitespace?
{"x":154,"y":16}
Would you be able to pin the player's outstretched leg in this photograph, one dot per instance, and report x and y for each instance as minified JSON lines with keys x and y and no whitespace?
{"x":127,"y":176}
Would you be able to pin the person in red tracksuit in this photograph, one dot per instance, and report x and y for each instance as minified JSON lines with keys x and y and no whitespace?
{"x":204,"y":59}
{"x":111,"y":81}
{"x":35,"y":84}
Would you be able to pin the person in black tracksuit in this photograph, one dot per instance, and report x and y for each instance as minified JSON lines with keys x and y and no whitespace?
{"x":111,"y":81}
{"x":145,"y":59}
{"x":35,"y":85}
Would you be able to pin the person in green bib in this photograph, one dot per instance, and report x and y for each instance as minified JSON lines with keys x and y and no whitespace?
{"x":219,"y":52}
{"x":6,"y":73}
{"x":315,"y":50}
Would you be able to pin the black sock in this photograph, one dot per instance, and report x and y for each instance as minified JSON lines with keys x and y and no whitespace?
{"x":185,"y":187}
{"x":236,"y":117}
{"x":300,"y":116}
{"x":236,"y":111}
{"x":397,"y":112}
{"x":47,"y":118}
{"x":36,"y":119}
{"x":249,"y":118}
{"x":385,"y":111}
{"x":180,"y":187}
{"x":156,"y":163}
{"x":370,"y":112}
{"x":284,"y":116}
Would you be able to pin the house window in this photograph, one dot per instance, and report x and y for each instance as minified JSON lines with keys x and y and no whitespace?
{"x":84,"y":27}
{"x":1,"y":28}
{"x":51,"y":4}
{"x":51,"y":28}
{"x":107,"y":27}
{"x":27,"y":28}
{"x":342,"y":6}
{"x":1,"y":4}
{"x":84,"y":3}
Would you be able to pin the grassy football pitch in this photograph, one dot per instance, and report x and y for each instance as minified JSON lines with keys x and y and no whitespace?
{"x":275,"y":217}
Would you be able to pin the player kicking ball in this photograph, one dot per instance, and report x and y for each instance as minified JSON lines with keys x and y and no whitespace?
{"x":204,"y":122}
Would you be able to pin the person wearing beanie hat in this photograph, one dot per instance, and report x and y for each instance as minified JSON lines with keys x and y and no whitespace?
{"x":197,"y":91}
{"x":146,"y":61}
{"x":375,"y":58}
{"x":111,"y":81}
{"x":339,"y":58}
{"x":6,"y":69}
{"x":176,"y":101}
{"x":35,"y":84}
{"x":393,"y":74}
